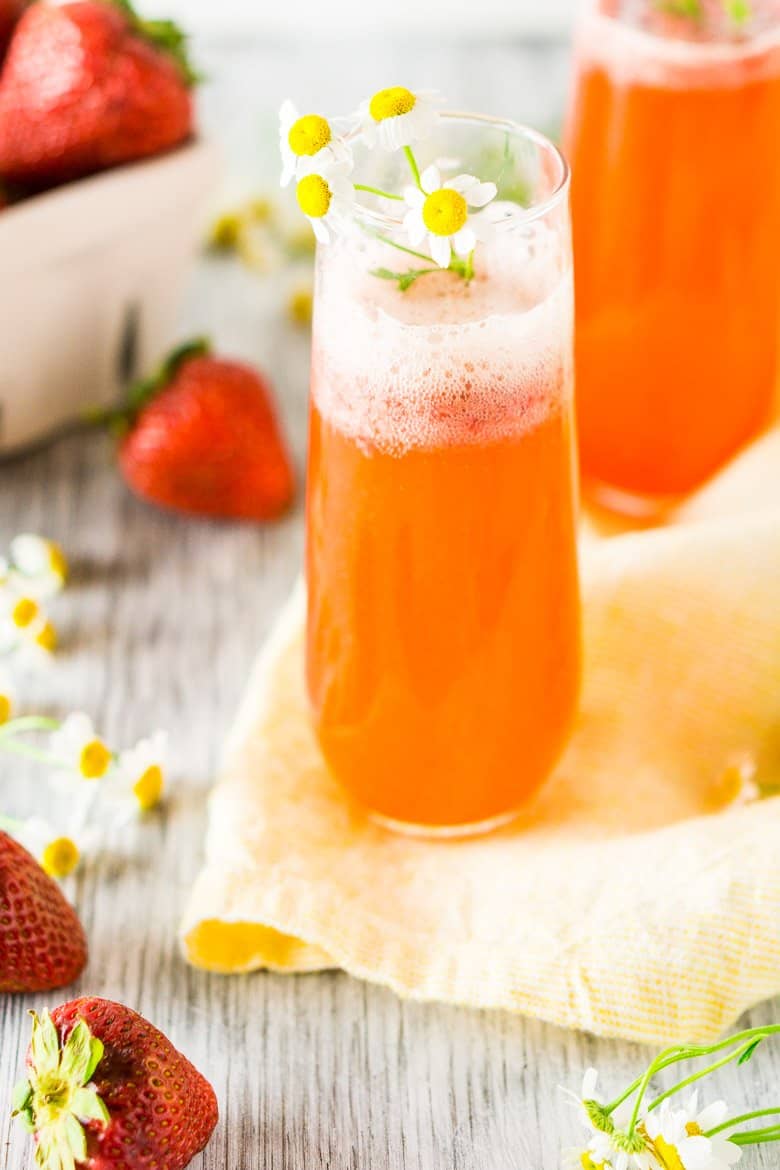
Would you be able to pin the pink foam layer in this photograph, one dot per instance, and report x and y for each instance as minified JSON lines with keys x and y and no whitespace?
{"x":444,"y":363}
{"x":640,"y":54}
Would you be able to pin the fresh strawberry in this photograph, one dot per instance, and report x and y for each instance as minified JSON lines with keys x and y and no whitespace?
{"x":204,"y":438}
{"x":106,"y":1090}
{"x":10,"y":11}
{"x":42,"y":943}
{"x":87,"y":85}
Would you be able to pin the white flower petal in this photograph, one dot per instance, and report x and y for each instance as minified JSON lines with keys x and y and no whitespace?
{"x":712,"y":1115}
{"x":696,"y":1153}
{"x":430,"y":179}
{"x":441,"y":251}
{"x":288,"y":113}
{"x":414,"y":226}
{"x":413,"y":196}
{"x":320,"y":229}
{"x":482,"y":194}
{"x":589,"y":1082}
{"x":462,"y":183}
{"x":464,"y":241}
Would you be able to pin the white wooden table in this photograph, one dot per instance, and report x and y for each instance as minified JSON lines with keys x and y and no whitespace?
{"x":159,"y":627}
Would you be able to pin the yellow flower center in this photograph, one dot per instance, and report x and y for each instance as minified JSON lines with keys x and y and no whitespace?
{"x":667,"y":1155}
{"x":391,"y":103}
{"x":445,"y":212}
{"x":24,"y":612}
{"x":309,"y":135}
{"x":148,"y":789}
{"x":94,"y":760}
{"x":60,"y":857}
{"x":313,"y":195}
{"x":58,"y":564}
{"x":6,"y":707}
{"x":589,"y":1164}
{"x":46,"y":637}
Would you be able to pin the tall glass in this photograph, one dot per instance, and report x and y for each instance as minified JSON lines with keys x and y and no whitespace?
{"x":673,"y":136}
{"x":443,"y":611}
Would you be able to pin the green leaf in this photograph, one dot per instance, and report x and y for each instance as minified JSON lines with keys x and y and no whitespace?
{"x":404,"y":280}
{"x":77,"y":1054}
{"x":739,"y":12}
{"x":87,"y":1106}
{"x":746,"y":1055}
{"x":21,"y":1096}
{"x":76,"y":1138}
{"x":165,"y":35}
{"x":95,"y":1057}
{"x":44,"y":1045}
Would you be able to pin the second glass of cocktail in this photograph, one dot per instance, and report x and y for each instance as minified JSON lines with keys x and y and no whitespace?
{"x":443,"y":606}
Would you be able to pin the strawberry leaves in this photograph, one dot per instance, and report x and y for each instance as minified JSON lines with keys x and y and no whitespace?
{"x":58,"y":1097}
{"x":164,"y":35}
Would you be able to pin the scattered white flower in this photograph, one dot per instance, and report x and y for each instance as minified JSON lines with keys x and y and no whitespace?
{"x":23,"y":620}
{"x":443,"y":211}
{"x":327,"y":198}
{"x":80,"y":748}
{"x":57,"y":853}
{"x":140,"y":771}
{"x":7,"y":697}
{"x":40,"y":562}
{"x":308,"y":138}
{"x":397,"y":117}
{"x":680,"y":1134}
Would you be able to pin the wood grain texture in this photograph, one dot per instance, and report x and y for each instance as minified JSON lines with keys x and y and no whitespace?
{"x":159,"y":628}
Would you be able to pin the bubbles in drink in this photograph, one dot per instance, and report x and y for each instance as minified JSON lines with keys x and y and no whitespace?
{"x":449,"y":363}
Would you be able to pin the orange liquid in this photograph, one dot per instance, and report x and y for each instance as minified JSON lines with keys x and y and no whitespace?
{"x":443,"y":643}
{"x":676,"y":215}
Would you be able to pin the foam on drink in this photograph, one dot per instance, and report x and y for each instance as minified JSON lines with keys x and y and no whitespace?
{"x":445,"y":362}
{"x":644,"y":45}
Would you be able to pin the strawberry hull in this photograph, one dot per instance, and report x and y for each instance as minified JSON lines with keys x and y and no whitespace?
{"x":97,"y":268}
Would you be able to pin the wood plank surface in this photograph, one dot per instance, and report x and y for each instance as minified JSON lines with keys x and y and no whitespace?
{"x":159,"y":628}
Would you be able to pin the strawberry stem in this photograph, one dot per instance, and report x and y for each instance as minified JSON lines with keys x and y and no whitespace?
{"x":164,"y":35}
{"x":120,"y":419}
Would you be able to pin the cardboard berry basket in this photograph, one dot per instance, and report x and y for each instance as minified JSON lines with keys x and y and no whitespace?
{"x":93,"y":273}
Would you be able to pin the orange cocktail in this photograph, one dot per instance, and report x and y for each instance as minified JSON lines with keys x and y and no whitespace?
{"x":443,"y":622}
{"x":674,"y":140}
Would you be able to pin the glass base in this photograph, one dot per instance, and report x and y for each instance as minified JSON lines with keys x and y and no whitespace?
{"x":630,"y":504}
{"x":444,"y":832}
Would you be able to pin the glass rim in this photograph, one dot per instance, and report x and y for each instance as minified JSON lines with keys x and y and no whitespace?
{"x":678,"y":50}
{"x":524,"y":214}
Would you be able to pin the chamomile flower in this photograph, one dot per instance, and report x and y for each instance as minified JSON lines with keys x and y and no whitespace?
{"x":57,"y":853}
{"x":679,"y":1136}
{"x":444,"y":212}
{"x":397,"y":117}
{"x":23,"y":621}
{"x":39,"y":562}
{"x":80,"y":748}
{"x":307,"y":138}
{"x":7,"y":697}
{"x":140,"y":772}
{"x":326,"y":197}
{"x":575,"y":1159}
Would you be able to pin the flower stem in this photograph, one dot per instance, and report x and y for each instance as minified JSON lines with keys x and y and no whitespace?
{"x":376,"y":191}
{"x":403,"y":248}
{"x":682,"y":1052}
{"x":413,"y":167}
{"x":24,"y":749}
{"x":732,"y":1121}
{"x":28,"y":723}
{"x":711,"y":1068}
{"x":757,"y":1136}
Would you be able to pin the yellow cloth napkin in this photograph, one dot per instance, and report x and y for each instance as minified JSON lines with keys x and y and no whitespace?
{"x":639,"y":896}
